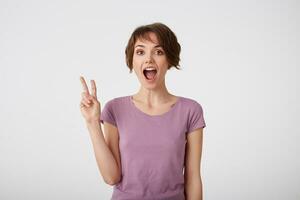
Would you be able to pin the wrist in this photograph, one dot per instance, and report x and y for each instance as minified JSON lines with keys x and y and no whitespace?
{"x":92,"y":122}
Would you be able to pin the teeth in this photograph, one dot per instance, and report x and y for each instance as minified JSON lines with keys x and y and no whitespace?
{"x":150,"y":68}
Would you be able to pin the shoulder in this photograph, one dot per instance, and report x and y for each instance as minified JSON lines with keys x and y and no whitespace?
{"x":194,"y":114}
{"x":116,"y":102}
{"x":112,"y":109}
{"x":120,"y":98}
{"x":190,"y":103}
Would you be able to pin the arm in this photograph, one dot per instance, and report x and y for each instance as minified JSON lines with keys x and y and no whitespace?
{"x":106,"y":152}
{"x":193,"y":182}
{"x":107,"y":164}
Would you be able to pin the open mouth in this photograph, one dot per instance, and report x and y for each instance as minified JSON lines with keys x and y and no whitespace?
{"x":150,"y":74}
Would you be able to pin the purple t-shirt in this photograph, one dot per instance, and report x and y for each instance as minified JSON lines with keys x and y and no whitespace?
{"x":152,"y":147}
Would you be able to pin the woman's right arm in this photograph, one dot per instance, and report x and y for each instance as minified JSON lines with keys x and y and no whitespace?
{"x":106,"y":161}
{"x":104,"y":152}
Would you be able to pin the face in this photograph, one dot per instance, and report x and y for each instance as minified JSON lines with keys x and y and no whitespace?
{"x":149,"y":62}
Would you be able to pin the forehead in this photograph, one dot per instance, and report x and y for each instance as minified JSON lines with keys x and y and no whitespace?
{"x":147,"y":39}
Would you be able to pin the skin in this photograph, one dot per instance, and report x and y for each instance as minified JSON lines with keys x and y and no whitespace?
{"x":105,"y":144}
{"x":192,"y":175}
{"x":89,"y":105}
{"x":153,"y":98}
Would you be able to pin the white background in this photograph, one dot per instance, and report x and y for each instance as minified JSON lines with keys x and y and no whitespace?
{"x":240,"y":61}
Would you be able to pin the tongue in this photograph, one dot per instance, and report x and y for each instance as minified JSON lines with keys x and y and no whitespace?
{"x":150,"y":74}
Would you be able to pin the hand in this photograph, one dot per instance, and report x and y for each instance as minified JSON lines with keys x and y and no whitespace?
{"x":89,"y":106}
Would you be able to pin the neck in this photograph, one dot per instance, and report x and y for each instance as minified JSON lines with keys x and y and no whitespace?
{"x":153,"y":96}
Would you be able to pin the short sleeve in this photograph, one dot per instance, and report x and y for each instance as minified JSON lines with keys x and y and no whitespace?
{"x":107,"y":113}
{"x":196,"y":118}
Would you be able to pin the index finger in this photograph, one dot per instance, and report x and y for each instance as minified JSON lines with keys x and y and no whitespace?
{"x":84,"y":85}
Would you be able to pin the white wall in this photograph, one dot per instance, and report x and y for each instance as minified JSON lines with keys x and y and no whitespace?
{"x":240,"y":60}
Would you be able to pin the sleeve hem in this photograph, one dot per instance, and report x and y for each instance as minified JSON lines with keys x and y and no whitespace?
{"x":108,"y":121}
{"x":193,"y":129}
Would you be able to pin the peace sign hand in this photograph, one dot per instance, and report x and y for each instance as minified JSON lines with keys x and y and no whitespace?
{"x":89,"y":106}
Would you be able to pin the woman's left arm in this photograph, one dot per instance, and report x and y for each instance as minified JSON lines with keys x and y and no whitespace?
{"x":192,"y":176}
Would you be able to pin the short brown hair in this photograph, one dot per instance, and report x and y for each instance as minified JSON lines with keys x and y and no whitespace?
{"x":166,"y":38}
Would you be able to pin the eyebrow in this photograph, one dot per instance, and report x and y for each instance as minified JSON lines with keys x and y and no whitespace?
{"x":140,"y":45}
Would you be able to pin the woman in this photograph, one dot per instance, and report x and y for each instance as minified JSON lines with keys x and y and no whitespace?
{"x":153,"y":139}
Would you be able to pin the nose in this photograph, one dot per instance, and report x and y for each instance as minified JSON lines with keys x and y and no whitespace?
{"x":148,"y":59}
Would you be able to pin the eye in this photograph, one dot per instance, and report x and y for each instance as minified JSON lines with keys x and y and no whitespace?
{"x":160,"y":52}
{"x":139,"y":52}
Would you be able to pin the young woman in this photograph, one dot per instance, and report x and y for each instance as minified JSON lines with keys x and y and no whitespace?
{"x":153,"y":139}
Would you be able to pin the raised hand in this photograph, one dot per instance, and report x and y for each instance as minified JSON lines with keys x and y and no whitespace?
{"x":89,"y":106}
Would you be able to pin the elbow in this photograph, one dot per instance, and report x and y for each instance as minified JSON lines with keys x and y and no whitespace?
{"x":112,"y":181}
{"x":109,"y":182}
{"x":113,"y":178}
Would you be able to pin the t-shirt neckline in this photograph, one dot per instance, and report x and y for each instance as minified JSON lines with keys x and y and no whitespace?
{"x":153,"y":116}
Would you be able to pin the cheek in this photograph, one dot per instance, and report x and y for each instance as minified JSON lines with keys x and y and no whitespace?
{"x":136,"y":61}
{"x":163,"y":63}
{"x":136,"y":65}
{"x":162,"y":60}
